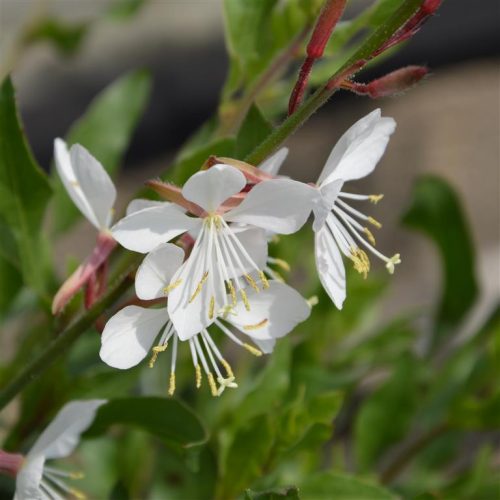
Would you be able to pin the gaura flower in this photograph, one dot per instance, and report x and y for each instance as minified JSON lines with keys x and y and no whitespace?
{"x":224,"y":259}
{"x":130,"y":334}
{"x":37,"y":481}
{"x":340,"y":228}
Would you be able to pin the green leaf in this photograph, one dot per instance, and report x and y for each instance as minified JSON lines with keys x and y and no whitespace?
{"x":24,"y":192}
{"x":123,"y":9}
{"x":328,"y":485}
{"x":168,"y":419}
{"x":290,"y":492}
{"x":105,"y":130}
{"x":436,"y":211}
{"x":254,"y":129}
{"x":386,"y":415}
{"x":247,"y":455}
{"x":10,"y":284}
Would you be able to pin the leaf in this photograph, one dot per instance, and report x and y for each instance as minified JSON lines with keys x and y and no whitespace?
{"x":24,"y":192}
{"x":124,"y":9}
{"x":10,"y":284}
{"x":105,"y":130}
{"x":254,"y":129}
{"x":328,"y":485}
{"x":436,"y":211}
{"x":167,"y":419}
{"x":247,"y":455}
{"x":290,"y":492}
{"x":385,"y":417}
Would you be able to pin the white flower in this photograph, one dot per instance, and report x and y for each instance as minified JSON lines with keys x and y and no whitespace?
{"x":338,"y":227}
{"x":37,"y":481}
{"x":224,"y":259}
{"x":130,"y":334}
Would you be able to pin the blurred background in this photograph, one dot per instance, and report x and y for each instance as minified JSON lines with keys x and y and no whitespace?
{"x":448,"y":125}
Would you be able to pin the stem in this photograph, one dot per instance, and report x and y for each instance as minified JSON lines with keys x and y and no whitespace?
{"x":404,"y":457}
{"x":61,"y":343}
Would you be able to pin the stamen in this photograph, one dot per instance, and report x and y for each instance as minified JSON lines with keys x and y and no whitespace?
{"x":313,"y":301}
{"x":232,"y":292}
{"x":77,"y":493}
{"x":275,"y":275}
{"x":171,"y":384}
{"x":245,"y":299}
{"x":198,"y":376}
{"x":156,"y":350}
{"x":251,"y":282}
{"x":256,"y":326}
{"x":199,"y":287}
{"x":211,"y":383}
{"x":170,"y":287}
{"x":369,"y":235}
{"x":211,"y":308}
{"x":227,"y":367}
{"x":252,"y":349}
{"x":375,"y":198}
{"x":395,"y":259}
{"x":263,"y":279}
{"x":374,"y":222}
{"x":76,"y":475}
{"x":280,"y":263}
{"x":226,"y":382}
{"x":361,"y":261}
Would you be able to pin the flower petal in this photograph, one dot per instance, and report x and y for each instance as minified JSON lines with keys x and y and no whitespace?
{"x":331,"y":270}
{"x":273,"y":313}
{"x":210,"y":188}
{"x":278,"y":205}
{"x":129,"y":335}
{"x":60,"y":438}
{"x":273,"y":164}
{"x":266,"y":346}
{"x":325,"y":202}
{"x":144,"y":230}
{"x":28,"y":479}
{"x":157,"y":270}
{"x":360,"y":148}
{"x":141,"y":204}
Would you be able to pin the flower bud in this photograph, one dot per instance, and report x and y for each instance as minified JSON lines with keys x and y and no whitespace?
{"x":394,"y":83}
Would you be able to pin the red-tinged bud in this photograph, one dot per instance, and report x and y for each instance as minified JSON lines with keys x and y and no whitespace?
{"x":10,"y":463}
{"x":173,"y":193}
{"x":253,"y":174}
{"x":391,"y":84}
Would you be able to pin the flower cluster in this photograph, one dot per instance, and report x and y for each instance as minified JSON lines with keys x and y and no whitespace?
{"x":207,"y":264}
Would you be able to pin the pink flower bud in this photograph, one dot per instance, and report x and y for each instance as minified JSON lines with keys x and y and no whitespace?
{"x":10,"y":463}
{"x":393,"y":83}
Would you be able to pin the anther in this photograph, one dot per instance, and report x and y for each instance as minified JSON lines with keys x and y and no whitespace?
{"x":263,"y":279}
{"x":198,"y":376}
{"x":228,"y":368}
{"x":199,"y":287}
{"x":256,"y":326}
{"x":252,"y":349}
{"x":170,"y":287}
{"x":245,"y":299}
{"x":375,"y":198}
{"x":77,"y":494}
{"x":374,"y":222}
{"x":313,"y":301}
{"x":232,"y":292}
{"x":76,"y":475}
{"x":211,"y":383}
{"x":251,"y":282}
{"x":156,"y":350}
{"x":171,"y":384}
{"x":280,"y":263}
{"x":211,"y":308}
{"x":369,"y":235}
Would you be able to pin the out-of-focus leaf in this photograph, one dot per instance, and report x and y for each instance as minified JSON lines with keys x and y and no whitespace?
{"x":477,"y":414}
{"x":436,"y":211}
{"x":329,"y":485}
{"x":167,"y":419}
{"x":247,"y":455}
{"x":290,"y":492}
{"x":10,"y":284}
{"x":105,"y":130}
{"x":385,"y":417}
{"x":24,"y":192}
{"x":8,"y":246}
{"x":124,"y":9}
{"x":65,"y":37}
{"x":254,"y":129}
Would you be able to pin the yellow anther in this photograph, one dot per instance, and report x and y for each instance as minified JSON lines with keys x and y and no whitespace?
{"x":199,"y":287}
{"x":313,"y":301}
{"x":275,"y":238}
{"x":77,"y":494}
{"x":256,"y":326}
{"x":198,"y":376}
{"x":228,"y":368}
{"x":282,"y":263}
{"x":374,"y":222}
{"x":232,"y":292}
{"x":170,"y":287}
{"x":251,"y":282}
{"x":156,"y":350}
{"x":211,"y":308}
{"x":361,"y":261}
{"x":226,"y":311}
{"x":245,"y":299}
{"x":171,"y":384}
{"x":211,"y":383}
{"x":75,"y":183}
{"x":76,"y":475}
{"x":252,"y":349}
{"x":370,"y":236}
{"x":395,"y":259}
{"x":263,"y":279}
{"x":375,"y":198}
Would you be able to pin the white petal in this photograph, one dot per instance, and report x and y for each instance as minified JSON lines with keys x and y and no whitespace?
{"x":144,"y":230}
{"x":129,"y":335}
{"x":60,"y":438}
{"x":266,"y":346}
{"x":28,"y":479}
{"x":325,"y":202}
{"x":359,"y":149}
{"x":255,"y":242}
{"x":86,"y":182}
{"x":331,"y":270}
{"x":141,"y":204}
{"x":273,"y":164}
{"x":278,"y":205}
{"x":157,"y":270}
{"x":209,"y":188}
{"x":277,"y":310}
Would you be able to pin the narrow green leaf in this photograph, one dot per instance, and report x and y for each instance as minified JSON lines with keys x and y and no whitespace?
{"x":254,"y":129}
{"x":24,"y":191}
{"x":290,"y":492}
{"x":436,"y":211}
{"x":105,"y":130}
{"x":329,"y":485}
{"x":167,"y":419}
{"x":11,"y":282}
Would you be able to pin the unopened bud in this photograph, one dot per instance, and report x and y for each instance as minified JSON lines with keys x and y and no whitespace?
{"x":10,"y":463}
{"x":396,"y":82}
